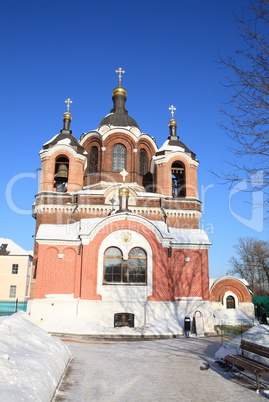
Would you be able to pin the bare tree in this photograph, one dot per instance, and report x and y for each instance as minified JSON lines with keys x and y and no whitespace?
{"x":248,"y":110}
{"x":252,"y":264}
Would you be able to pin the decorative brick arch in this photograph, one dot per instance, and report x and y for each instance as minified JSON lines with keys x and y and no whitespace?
{"x":222,"y":287}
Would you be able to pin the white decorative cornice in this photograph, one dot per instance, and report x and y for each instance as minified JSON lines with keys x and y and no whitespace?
{"x":171,"y":155}
{"x":59,"y":242}
{"x":193,"y":246}
{"x":62,"y":147}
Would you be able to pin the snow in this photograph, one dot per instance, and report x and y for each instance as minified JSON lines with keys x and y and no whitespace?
{"x":32,"y":362}
{"x":167,"y":147}
{"x":193,"y":236}
{"x":13,"y":248}
{"x":71,"y":232}
{"x":58,"y":232}
{"x":65,"y":141}
{"x":258,"y":334}
{"x":213,"y":281}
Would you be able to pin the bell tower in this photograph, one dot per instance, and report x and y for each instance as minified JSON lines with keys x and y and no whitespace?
{"x":63,"y":162}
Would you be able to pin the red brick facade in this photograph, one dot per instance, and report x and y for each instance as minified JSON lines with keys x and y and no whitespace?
{"x":230,"y":285}
{"x":162,"y":195}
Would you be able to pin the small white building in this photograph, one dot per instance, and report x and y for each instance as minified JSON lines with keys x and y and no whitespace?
{"x":15,"y":270}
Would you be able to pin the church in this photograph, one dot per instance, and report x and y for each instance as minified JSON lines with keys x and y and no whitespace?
{"x":117,"y":235}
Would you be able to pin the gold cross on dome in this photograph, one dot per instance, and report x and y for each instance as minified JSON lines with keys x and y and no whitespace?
{"x":68,"y":102}
{"x":172,"y":108}
{"x":120,"y":71}
{"x":124,"y":174}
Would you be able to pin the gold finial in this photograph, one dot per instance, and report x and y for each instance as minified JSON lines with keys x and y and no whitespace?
{"x":124,"y":174}
{"x":172,"y":108}
{"x":68,"y":102}
{"x":120,"y":71}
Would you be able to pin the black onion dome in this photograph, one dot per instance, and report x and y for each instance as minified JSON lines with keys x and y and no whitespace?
{"x":118,"y":119}
{"x":118,"y":116}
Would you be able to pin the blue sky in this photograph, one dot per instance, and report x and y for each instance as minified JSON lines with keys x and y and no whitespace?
{"x":55,"y":49}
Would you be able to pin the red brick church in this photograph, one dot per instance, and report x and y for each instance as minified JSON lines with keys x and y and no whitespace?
{"x":117,"y":225}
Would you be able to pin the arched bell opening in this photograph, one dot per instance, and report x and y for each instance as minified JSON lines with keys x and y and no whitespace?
{"x":178,"y":179}
{"x":61,"y":174}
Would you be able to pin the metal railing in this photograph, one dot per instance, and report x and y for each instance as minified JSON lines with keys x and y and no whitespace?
{"x":9,"y":307}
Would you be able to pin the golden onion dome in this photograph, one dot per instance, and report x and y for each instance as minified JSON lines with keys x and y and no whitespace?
{"x":172,"y":122}
{"x":119,"y":91}
{"x":123,"y":191}
{"x":67,"y":115}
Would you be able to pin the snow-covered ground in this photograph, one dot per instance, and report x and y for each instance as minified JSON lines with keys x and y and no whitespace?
{"x":32,"y":362}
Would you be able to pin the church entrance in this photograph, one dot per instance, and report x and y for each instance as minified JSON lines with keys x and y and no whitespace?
{"x":124,"y":320}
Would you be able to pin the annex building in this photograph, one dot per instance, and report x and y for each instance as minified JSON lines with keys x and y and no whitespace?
{"x":117,"y":226}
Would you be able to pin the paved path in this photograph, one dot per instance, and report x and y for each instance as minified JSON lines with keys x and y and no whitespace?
{"x":147,"y":371}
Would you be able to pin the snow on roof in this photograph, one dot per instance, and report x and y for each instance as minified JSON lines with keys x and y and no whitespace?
{"x":48,"y":142}
{"x":213,"y":281}
{"x":71,"y":232}
{"x":185,"y":236}
{"x":13,"y":248}
{"x":173,"y":148}
{"x":65,"y":141}
{"x":58,"y":232}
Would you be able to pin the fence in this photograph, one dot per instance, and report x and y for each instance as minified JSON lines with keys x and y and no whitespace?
{"x":259,"y":303}
{"x":228,"y":331}
{"x":9,"y":307}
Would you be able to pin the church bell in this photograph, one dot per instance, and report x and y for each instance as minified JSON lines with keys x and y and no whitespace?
{"x":62,"y":174}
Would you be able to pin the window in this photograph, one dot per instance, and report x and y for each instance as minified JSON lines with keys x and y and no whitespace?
{"x":93,"y":160}
{"x":124,"y":320}
{"x":113,"y":265}
{"x":12,"y":291}
{"x":143,"y":162}
{"x":230,"y":302}
{"x":119,"y":158}
{"x":3,"y":249}
{"x":178,"y":180}
{"x":118,"y":270}
{"x":61,"y":174}
{"x":15,"y":268}
{"x":137,"y":266}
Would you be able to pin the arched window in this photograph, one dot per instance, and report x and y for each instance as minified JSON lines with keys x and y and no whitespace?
{"x":178,"y":180}
{"x":137,"y":266}
{"x":61,"y":174}
{"x":143,"y":162}
{"x":93,"y":160}
{"x":118,"y":270}
{"x":113,"y":265}
{"x":230,"y":302}
{"x":119,"y":158}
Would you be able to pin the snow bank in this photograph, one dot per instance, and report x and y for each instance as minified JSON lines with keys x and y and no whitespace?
{"x":31,"y":361}
{"x":258,"y":334}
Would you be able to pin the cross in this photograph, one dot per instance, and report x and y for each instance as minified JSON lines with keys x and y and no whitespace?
{"x":172,"y":108}
{"x":120,"y":71}
{"x":68,"y":101}
{"x":124,"y":174}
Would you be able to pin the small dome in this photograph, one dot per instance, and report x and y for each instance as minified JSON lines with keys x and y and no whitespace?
{"x":119,"y":91}
{"x":123,"y":191}
{"x":172,"y":122}
{"x":67,"y":115}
